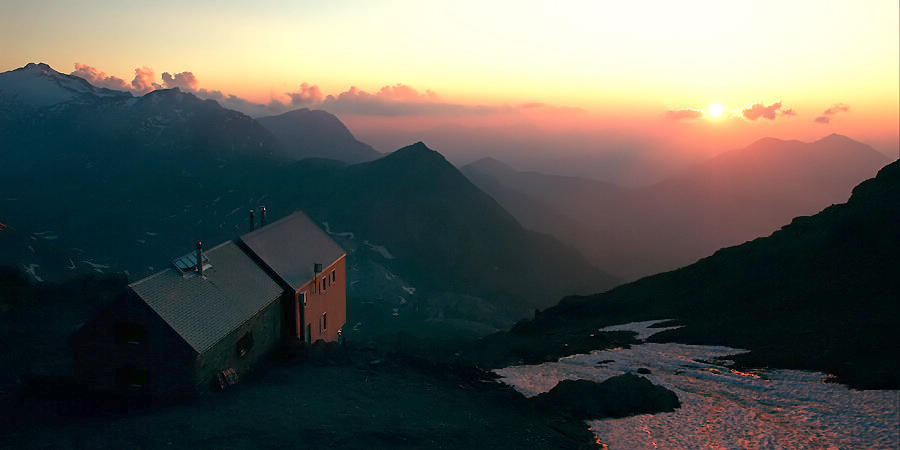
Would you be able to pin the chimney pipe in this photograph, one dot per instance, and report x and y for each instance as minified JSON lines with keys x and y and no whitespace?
{"x":316,"y":269}
{"x":252,"y":221}
{"x":200,"y":258}
{"x":262,"y":216}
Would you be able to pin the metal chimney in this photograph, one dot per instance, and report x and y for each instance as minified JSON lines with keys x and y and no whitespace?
{"x":262,"y":216}
{"x":316,"y":269}
{"x":200,"y":258}
{"x":252,"y":221}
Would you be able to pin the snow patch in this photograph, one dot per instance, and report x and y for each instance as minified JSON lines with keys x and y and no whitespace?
{"x":346,"y":234}
{"x":642,"y":329}
{"x":724,"y":407}
{"x":97,"y":267}
{"x":31,"y":269}
{"x":380,"y":249}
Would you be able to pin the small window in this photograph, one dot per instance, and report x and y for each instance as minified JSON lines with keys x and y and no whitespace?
{"x":129,"y":333}
{"x":324,"y":321}
{"x":323,"y":284}
{"x":333,"y":277}
{"x":303,"y":298}
{"x":244,"y":344}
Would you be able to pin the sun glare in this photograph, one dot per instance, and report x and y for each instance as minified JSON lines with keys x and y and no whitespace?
{"x":715,"y":110}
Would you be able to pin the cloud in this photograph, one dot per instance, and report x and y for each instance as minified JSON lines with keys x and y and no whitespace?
{"x":759,"y":110}
{"x":684,"y":114}
{"x":788,"y":112}
{"x":143,"y":80}
{"x":99,"y":78}
{"x":398,"y":93}
{"x":826,"y":115}
{"x":184,"y":81}
{"x":397,"y":100}
{"x":306,"y":96}
{"x":400,"y":100}
{"x":406,"y":94}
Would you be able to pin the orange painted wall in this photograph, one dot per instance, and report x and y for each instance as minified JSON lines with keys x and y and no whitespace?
{"x":325,"y":311}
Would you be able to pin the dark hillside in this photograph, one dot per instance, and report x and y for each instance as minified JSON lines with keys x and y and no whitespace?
{"x":449,"y":234}
{"x":821,"y":293}
{"x":305,"y":133}
{"x":734,"y":197}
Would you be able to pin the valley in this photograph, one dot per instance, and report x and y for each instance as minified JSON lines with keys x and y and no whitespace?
{"x":459,"y":280}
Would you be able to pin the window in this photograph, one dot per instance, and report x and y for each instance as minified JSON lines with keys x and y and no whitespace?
{"x":303,"y":298}
{"x":244,"y":344}
{"x":129,"y":333}
{"x":323,"y":284}
{"x":324,"y":321}
{"x":333,"y":276}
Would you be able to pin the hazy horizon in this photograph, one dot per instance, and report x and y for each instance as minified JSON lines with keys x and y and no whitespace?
{"x":629,"y":91}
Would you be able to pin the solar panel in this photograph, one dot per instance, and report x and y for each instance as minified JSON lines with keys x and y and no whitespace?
{"x":188,"y":263}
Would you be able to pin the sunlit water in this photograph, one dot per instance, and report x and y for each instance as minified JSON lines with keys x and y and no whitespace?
{"x":725,"y":408}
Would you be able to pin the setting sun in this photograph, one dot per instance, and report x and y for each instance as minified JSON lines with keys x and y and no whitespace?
{"x":715,"y":110}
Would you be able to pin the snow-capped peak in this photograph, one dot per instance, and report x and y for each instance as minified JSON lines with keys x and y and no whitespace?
{"x":39,"y":85}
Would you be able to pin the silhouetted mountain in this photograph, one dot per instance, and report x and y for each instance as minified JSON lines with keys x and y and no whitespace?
{"x":107,"y":184}
{"x":557,"y":190}
{"x":449,"y":230}
{"x":38,"y":86}
{"x":518,"y":193}
{"x":821,"y":293}
{"x":104,"y":174}
{"x":305,"y":133}
{"x":734,"y":197}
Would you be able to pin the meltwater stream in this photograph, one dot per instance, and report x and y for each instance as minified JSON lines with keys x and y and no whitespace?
{"x":722,"y":407}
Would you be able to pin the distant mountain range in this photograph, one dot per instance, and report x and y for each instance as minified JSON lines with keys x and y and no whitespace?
{"x":305,"y":133}
{"x":99,"y":181}
{"x":734,"y":197}
{"x":821,"y":293}
{"x":36,"y":97}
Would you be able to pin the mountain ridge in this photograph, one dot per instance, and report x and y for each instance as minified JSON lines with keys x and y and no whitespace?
{"x":820,"y":293}
{"x":733,"y":197}
{"x":306,"y":133}
{"x":425,"y":243}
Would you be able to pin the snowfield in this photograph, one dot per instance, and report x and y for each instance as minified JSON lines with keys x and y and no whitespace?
{"x":723,"y":407}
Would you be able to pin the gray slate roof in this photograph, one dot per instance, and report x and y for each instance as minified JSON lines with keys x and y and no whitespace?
{"x":291,"y":246}
{"x":203,"y":310}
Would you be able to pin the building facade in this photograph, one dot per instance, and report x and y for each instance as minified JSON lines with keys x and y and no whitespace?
{"x":194,"y":326}
{"x":311,"y":268}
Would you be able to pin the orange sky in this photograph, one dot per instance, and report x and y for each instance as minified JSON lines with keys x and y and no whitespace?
{"x":634,"y":66}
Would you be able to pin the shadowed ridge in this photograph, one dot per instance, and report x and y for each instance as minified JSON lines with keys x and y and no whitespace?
{"x":38,"y":85}
{"x":416,"y":162}
{"x":818,"y":294}
{"x":305,"y":133}
{"x":417,"y":150}
{"x":837,"y":139}
{"x":490,"y":166}
{"x":421,"y":207}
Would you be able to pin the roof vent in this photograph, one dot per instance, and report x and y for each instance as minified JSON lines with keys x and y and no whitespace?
{"x":187,"y":264}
